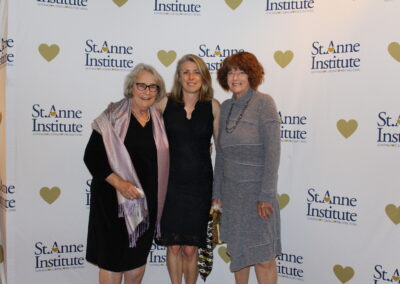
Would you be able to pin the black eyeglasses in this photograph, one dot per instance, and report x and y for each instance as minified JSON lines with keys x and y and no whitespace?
{"x":152,"y":87}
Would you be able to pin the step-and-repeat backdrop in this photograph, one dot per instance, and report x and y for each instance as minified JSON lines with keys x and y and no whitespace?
{"x":332,"y":66}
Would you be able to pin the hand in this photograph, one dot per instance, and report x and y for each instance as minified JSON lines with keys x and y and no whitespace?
{"x":264,"y":209}
{"x":128,"y":190}
{"x":217,"y":203}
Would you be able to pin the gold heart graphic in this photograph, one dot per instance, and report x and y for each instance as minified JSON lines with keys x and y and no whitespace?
{"x":393,"y":213}
{"x":49,"y":52}
{"x":166,"y":58}
{"x":283,"y":59}
{"x":394,"y":50}
{"x":396,"y":278}
{"x":120,"y":2}
{"x":50,"y":194}
{"x":1,"y":254}
{"x":346,"y":128}
{"x":222,"y":253}
{"x":343,"y":274}
{"x":233,"y":4}
{"x":53,"y":113}
{"x":283,"y":200}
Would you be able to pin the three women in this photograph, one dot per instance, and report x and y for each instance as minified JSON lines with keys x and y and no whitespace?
{"x":247,"y":161}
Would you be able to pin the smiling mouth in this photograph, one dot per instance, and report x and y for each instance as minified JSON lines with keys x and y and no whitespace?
{"x":146,"y":98}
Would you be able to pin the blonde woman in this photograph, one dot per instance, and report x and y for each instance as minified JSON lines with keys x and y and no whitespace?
{"x":191,"y":119}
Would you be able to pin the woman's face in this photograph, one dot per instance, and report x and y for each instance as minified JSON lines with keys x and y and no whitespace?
{"x":190,"y":77}
{"x":238,"y":82}
{"x":144,"y":91}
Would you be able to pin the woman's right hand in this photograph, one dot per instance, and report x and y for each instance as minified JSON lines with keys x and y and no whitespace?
{"x":217,"y":203}
{"x":127,"y":189}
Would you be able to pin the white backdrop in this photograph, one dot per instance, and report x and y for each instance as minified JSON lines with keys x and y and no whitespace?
{"x":332,"y":67}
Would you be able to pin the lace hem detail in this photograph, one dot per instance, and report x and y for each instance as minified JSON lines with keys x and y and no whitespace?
{"x":170,"y":239}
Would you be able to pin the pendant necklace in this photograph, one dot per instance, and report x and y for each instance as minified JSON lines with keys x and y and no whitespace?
{"x":235,"y":123}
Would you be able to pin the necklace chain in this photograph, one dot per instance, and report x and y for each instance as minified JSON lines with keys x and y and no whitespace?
{"x":235,"y":123}
{"x":140,"y":118}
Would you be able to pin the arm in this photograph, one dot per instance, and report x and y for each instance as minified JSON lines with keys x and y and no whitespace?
{"x":95,"y":157}
{"x":96,"y":161}
{"x":270,"y":137}
{"x":127,"y":189}
{"x":216,"y":108}
{"x":218,"y":176}
{"x":216,"y":202}
{"x":218,"y":168}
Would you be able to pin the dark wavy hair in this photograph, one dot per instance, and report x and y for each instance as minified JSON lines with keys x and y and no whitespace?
{"x":245,"y":61}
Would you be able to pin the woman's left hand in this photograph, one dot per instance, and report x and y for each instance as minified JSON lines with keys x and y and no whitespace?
{"x":264,"y":209}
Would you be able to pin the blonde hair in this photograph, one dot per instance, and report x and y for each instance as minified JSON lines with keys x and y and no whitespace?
{"x":206,"y":91}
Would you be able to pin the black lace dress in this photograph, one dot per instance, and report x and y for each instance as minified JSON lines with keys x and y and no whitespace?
{"x":188,"y":201}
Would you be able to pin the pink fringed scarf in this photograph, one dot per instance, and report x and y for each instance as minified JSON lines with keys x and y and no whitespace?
{"x":113,"y":124}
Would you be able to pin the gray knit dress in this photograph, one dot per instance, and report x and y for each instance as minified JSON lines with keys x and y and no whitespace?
{"x":246,"y":171}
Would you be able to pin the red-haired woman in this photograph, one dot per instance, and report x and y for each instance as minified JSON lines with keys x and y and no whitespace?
{"x":246,"y":170}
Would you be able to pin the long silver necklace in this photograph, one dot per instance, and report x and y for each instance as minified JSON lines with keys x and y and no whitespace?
{"x":235,"y":123}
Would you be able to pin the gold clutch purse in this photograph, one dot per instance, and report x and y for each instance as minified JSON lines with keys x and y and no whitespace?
{"x":215,"y":227}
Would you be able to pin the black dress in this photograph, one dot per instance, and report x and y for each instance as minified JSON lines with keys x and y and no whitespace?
{"x":107,"y":242}
{"x":188,"y":201}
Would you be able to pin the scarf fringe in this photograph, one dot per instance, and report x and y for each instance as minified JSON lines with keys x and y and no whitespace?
{"x":136,"y":209}
{"x":138,"y":232}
